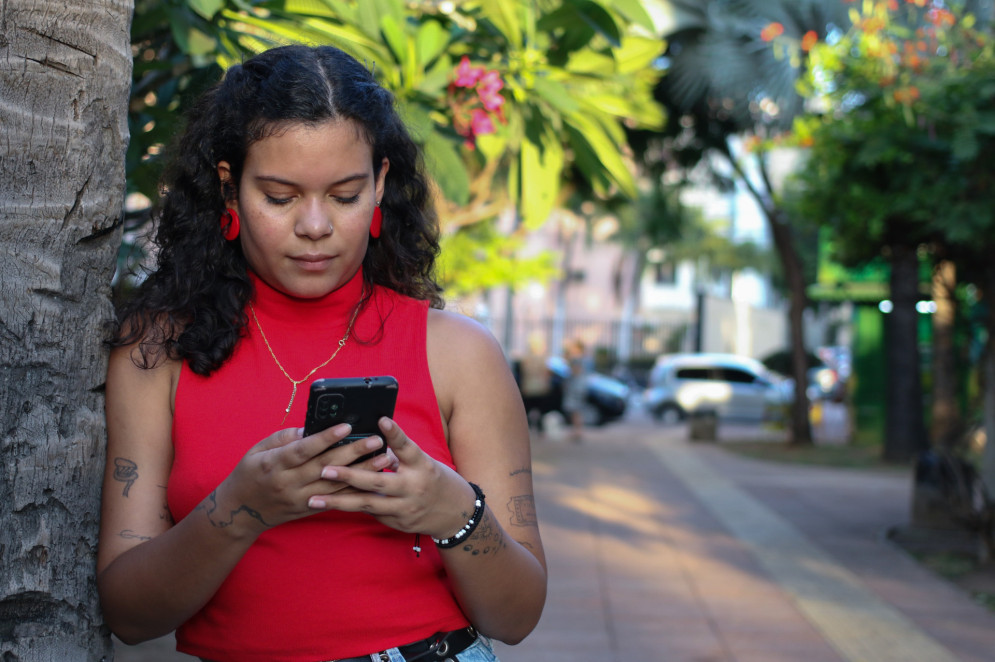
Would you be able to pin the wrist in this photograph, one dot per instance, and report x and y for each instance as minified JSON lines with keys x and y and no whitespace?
{"x":231,"y":518}
{"x":471,"y":524}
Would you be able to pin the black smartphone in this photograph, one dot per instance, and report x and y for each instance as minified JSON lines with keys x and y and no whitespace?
{"x":358,"y":401}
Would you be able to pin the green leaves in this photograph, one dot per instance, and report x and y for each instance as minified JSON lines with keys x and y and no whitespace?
{"x":575,"y":72}
{"x":206,"y":8}
{"x":905,"y":155}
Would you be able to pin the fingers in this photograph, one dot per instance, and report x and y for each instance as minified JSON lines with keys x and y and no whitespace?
{"x":280,"y":439}
{"x":407,"y":451}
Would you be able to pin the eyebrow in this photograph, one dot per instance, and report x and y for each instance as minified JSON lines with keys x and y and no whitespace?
{"x":345,"y":180}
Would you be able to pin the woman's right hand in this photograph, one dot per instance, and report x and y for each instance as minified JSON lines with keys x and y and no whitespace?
{"x":275,"y":479}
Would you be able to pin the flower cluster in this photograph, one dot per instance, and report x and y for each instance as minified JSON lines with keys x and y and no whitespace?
{"x":774,"y":30}
{"x":474,"y":96}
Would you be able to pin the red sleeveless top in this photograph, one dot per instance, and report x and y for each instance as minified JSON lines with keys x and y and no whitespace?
{"x":333,"y":584}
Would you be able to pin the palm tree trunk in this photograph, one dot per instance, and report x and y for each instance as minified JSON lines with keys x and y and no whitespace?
{"x":65,"y":77}
{"x":801,"y":427}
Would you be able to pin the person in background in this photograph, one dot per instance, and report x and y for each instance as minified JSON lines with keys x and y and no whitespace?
{"x":536,"y":382}
{"x":575,"y":390}
{"x":295,"y":241}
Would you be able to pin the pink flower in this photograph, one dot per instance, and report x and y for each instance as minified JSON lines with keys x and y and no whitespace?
{"x":467,"y":76}
{"x":481,"y":122}
{"x":489,"y":88}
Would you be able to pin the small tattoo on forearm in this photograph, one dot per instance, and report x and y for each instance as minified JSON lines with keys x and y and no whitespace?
{"x":523,"y":510}
{"x":487,"y":539}
{"x":128,"y":534}
{"x":523,"y":470}
{"x":166,"y":515}
{"x":212,"y":499}
{"x":126,"y":472}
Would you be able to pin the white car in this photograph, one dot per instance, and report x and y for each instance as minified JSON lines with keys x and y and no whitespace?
{"x":733,"y":387}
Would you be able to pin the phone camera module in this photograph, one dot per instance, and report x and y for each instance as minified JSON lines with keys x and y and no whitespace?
{"x":330,"y":405}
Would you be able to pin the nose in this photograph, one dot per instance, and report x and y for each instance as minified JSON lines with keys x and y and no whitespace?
{"x":313,"y":221}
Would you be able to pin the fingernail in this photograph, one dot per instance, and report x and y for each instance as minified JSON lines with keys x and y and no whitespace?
{"x":374,"y":443}
{"x":314,"y":503}
{"x":343,"y":429}
{"x":300,"y":433}
{"x":386,"y":424}
{"x":328,"y":473}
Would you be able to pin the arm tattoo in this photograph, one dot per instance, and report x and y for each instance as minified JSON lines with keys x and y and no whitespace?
{"x":125,"y":471}
{"x":165,"y":514}
{"x":128,"y":534}
{"x":523,"y":470}
{"x":487,"y":539}
{"x":523,"y":510}
{"x":221,"y":523}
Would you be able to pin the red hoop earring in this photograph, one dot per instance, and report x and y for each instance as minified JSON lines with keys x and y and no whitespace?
{"x":377,"y":224}
{"x":230,"y":224}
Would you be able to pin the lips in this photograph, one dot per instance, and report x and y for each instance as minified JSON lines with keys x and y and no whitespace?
{"x":312,"y":262}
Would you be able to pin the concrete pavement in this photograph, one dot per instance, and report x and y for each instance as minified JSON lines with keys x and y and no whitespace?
{"x":664,"y":550}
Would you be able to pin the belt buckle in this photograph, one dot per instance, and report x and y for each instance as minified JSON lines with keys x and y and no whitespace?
{"x":439,"y":650}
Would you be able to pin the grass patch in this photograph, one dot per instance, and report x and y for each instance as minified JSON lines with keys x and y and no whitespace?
{"x":965,"y":570}
{"x":854,"y":455}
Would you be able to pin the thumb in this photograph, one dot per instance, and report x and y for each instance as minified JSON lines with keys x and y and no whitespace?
{"x":407,"y":451}
{"x":279,"y":439}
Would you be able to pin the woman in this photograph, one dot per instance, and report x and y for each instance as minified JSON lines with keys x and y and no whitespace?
{"x":294,"y":242}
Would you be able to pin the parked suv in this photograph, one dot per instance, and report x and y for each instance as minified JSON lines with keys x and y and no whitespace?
{"x":734,"y":387}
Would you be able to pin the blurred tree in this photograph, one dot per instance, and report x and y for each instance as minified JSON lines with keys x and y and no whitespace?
{"x":725,"y":79}
{"x":899,"y":166}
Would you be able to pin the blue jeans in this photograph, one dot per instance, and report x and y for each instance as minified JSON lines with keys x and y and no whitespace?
{"x":479,"y":651}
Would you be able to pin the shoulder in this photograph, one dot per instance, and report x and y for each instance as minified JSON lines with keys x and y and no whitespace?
{"x":143,"y":364}
{"x":455,"y":333}
{"x":462,"y":354}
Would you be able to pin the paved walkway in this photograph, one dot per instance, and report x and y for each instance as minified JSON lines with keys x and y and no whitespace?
{"x":670,"y":551}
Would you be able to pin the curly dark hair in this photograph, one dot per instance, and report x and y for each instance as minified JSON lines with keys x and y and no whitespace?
{"x":191,"y":306}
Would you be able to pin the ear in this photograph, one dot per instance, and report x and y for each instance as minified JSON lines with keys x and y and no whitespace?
{"x":381,"y":177}
{"x":228,"y":188}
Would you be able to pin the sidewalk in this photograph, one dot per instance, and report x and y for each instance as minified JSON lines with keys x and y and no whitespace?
{"x":663,"y":550}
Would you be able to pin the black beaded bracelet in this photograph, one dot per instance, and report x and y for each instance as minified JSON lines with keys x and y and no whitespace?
{"x":468,"y":528}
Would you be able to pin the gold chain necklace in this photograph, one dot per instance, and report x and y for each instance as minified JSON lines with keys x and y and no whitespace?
{"x":298,"y":382}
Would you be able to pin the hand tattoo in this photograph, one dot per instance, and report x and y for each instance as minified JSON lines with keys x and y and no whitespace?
{"x":125,"y":471}
{"x":219,"y":523}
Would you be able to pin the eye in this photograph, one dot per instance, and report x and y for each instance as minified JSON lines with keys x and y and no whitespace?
{"x":348,"y":201}
{"x":277,"y":201}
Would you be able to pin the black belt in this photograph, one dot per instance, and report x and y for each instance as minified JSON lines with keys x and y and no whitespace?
{"x":440,"y":646}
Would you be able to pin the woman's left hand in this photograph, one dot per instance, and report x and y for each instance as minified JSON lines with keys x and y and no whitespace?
{"x":420,"y":495}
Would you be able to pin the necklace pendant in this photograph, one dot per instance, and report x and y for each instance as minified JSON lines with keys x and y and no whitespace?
{"x":293,"y":394}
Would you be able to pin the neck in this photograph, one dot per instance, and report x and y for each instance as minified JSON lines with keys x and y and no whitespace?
{"x":273,"y":305}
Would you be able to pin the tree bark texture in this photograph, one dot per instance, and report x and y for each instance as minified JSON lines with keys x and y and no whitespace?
{"x":787,"y":252}
{"x":905,"y":428}
{"x":65,"y":76}
{"x":946,"y":425}
{"x":801,"y":426}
